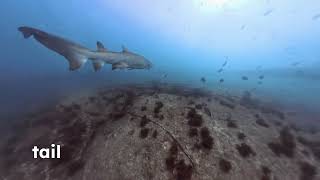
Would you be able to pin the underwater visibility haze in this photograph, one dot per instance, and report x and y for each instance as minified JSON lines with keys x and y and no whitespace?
{"x":257,"y":59}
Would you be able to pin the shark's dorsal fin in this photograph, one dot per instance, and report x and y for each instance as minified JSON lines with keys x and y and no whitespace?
{"x":125,"y":50}
{"x":101,"y":47}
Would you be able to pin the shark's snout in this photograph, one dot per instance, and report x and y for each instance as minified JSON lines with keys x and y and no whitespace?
{"x":149,"y":65}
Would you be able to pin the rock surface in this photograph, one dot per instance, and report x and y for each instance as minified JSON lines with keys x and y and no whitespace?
{"x":161,"y":132}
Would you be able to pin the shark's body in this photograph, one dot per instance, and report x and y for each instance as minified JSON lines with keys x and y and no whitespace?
{"x":77,"y":55}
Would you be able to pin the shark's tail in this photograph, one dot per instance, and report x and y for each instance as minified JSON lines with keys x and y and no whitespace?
{"x":26,"y":31}
{"x":57,"y":44}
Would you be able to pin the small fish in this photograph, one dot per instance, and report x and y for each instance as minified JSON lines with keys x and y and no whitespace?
{"x":261,"y":77}
{"x":220,"y":70}
{"x":203,"y":80}
{"x":267,"y":13}
{"x":245,"y":78}
{"x":258,"y":68}
{"x":316,"y":17}
{"x":260,"y":82}
{"x":296,"y":63}
{"x":164,"y":75}
{"x":225,"y":63}
{"x":221,"y":80}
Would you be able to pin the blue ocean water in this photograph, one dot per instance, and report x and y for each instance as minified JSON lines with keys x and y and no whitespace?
{"x":184,"y":40}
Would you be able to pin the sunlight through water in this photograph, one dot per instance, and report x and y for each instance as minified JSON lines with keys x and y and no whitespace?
{"x":216,"y":6}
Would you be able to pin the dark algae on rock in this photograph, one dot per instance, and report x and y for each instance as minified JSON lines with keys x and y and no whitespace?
{"x":225,"y":165}
{"x":144,"y":133}
{"x":195,"y":119}
{"x":314,"y":146}
{"x":241,"y":136}
{"x":158,"y":107}
{"x":193,"y":132}
{"x":155,"y":134}
{"x":260,"y":121}
{"x":207,"y":111}
{"x":228,"y":104}
{"x":266,"y":173}
{"x":308,"y":171}
{"x":144,"y":121}
{"x":178,"y":168}
{"x":287,"y":144}
{"x":232,"y":124}
{"x":206,"y":139}
{"x":245,"y":150}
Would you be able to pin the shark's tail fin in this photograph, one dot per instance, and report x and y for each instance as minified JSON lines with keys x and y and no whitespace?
{"x":26,"y":31}
{"x":59,"y":45}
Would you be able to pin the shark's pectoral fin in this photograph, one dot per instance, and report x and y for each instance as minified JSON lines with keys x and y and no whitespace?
{"x":101,"y":47}
{"x":75,"y":61}
{"x":97,"y":65}
{"x":120,"y":65}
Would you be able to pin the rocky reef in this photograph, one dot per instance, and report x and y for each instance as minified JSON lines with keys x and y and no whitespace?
{"x":161,"y":131}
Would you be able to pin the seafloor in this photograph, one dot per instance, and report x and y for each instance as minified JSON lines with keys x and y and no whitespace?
{"x":160,"y":131}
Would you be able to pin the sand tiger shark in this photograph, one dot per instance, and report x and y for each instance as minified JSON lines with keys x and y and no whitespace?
{"x":78,"y":55}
